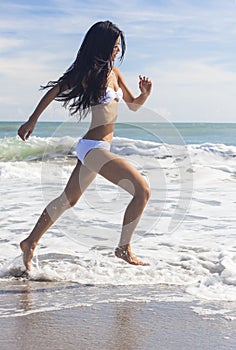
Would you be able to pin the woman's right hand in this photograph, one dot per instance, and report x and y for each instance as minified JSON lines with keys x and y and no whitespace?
{"x":26,"y":129}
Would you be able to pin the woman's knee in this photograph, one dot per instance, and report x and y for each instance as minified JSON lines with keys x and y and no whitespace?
{"x":72,"y":201}
{"x":143,"y":193}
{"x":68,"y":201}
{"x":138,"y":189}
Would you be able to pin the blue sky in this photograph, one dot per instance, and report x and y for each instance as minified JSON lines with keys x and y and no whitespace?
{"x":187,"y":48}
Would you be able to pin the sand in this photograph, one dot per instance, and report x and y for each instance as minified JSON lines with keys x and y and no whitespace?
{"x":126,"y":325}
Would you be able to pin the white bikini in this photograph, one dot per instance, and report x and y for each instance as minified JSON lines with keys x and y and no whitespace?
{"x":112,"y":95}
{"x":85,"y":145}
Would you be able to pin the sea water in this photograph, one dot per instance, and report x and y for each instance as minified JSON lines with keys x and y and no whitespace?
{"x":187,"y":232}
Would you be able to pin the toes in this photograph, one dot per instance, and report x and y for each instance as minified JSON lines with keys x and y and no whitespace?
{"x":141,"y":263}
{"x":128,"y":256}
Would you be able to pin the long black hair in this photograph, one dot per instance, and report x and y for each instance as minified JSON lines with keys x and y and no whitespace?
{"x":84,"y":82}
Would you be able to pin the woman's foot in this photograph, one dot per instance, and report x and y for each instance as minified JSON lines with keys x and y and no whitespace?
{"x":124,"y":252}
{"x":28,"y":252}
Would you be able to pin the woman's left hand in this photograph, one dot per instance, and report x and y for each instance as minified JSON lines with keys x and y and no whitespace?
{"x":145,"y":85}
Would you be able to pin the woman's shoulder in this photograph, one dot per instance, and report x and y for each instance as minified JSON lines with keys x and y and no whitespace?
{"x":116,"y":71}
{"x":118,"y":74}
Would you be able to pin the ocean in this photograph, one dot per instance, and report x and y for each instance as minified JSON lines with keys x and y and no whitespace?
{"x":187,"y":232}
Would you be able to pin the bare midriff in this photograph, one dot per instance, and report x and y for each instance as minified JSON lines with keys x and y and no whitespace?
{"x":103,"y":122}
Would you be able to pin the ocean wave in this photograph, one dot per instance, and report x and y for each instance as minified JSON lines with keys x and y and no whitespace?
{"x":39,"y":148}
{"x":36,"y":148}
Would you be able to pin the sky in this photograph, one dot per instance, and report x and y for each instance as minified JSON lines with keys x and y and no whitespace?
{"x":187,"y":49}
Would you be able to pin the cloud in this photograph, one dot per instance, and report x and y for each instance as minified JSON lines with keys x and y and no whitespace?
{"x":192,"y":90}
{"x":194,"y":73}
{"x":7,"y":43}
{"x":187,"y":47}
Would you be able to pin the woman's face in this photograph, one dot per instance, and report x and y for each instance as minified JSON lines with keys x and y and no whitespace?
{"x":116,"y":49}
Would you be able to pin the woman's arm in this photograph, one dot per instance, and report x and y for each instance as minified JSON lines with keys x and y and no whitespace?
{"x":27,"y":128}
{"x":145,"y":86}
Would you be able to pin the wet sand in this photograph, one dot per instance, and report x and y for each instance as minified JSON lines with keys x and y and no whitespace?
{"x":126,"y":325}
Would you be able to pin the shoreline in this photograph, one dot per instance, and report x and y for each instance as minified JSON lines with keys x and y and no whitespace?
{"x":106,"y":324}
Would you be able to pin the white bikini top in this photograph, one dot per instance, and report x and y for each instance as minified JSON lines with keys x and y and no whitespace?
{"x":112,"y":95}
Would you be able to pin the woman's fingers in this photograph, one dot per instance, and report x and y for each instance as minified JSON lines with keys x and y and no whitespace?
{"x":25,"y":131}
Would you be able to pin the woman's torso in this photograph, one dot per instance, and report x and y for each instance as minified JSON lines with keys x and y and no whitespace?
{"x":104,"y":114}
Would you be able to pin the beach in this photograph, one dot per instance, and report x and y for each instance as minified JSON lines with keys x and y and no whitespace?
{"x":124,"y":324}
{"x":78,"y":295}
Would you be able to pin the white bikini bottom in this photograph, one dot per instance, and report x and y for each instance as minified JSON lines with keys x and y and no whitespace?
{"x":84,"y":146}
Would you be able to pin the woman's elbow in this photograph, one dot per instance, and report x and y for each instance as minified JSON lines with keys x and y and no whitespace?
{"x":133,"y":106}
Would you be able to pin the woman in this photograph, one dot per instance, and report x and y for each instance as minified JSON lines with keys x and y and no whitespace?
{"x":93,"y":83}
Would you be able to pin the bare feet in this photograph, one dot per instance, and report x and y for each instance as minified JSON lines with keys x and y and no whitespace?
{"x":27,"y":254}
{"x":126,"y":254}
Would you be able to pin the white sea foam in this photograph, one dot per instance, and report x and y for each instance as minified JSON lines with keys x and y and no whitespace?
{"x":38,"y":148}
{"x":199,"y":255}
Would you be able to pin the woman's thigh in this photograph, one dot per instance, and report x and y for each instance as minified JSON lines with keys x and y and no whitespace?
{"x":79,"y":180}
{"x":115,"y":169}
